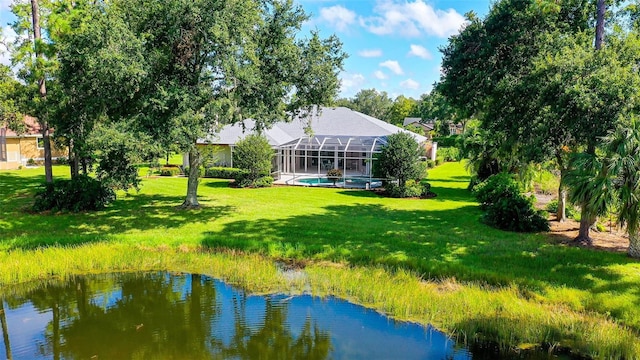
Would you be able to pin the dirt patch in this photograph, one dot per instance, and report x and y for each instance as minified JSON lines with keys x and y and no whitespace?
{"x":613,"y":239}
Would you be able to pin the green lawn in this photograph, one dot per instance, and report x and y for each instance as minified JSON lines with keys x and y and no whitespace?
{"x":441,"y":240}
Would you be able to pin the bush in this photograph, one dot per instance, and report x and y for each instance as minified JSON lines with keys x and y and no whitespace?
{"x":31,"y":162}
{"x":431,"y":164}
{"x":62,"y":161}
{"x":449,"y":153}
{"x":222,"y":172}
{"x":169,"y":171}
{"x":447,"y":141}
{"x":411,"y":189}
{"x":399,"y":159}
{"x":81,"y":193}
{"x":253,"y":154}
{"x":247,"y":182}
{"x":570,"y":210}
{"x":201,"y":173}
{"x":438,"y":161}
{"x":506,"y":207}
{"x":265,"y":181}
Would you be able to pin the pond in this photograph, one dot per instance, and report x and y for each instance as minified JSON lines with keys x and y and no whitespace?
{"x":186,"y":316}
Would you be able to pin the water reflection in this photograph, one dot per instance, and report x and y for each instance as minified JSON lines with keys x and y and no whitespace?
{"x":165,"y":316}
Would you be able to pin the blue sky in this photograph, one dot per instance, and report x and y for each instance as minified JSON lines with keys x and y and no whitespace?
{"x":392,"y":44}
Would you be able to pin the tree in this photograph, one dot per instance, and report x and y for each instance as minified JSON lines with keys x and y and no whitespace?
{"x":399,"y":159}
{"x":402,"y":107}
{"x":254,"y":154}
{"x":623,"y":147}
{"x":372,"y":102}
{"x":212,"y":62}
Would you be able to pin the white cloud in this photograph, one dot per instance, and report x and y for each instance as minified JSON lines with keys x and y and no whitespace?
{"x":411,"y":19}
{"x":393,"y":66}
{"x":380,"y":75}
{"x":410,"y":84}
{"x":338,"y":17}
{"x":350,"y":81}
{"x":370,"y":53}
{"x":420,"y":51}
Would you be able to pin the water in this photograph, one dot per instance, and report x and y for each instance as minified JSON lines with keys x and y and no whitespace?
{"x":184,"y":316}
{"x":353,"y":182}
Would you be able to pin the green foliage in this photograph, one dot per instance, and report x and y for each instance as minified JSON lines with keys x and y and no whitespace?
{"x":506,"y":207}
{"x":371,"y":102}
{"x":571,"y":211}
{"x":430,"y":164}
{"x":447,"y":141}
{"x":411,"y":189}
{"x":399,"y":159}
{"x":169,"y":171}
{"x":449,"y":153}
{"x":253,"y":154}
{"x":243,"y":181}
{"x":201,"y":171}
{"x":82,"y":193}
{"x":402,"y":107}
{"x":223,"y":172}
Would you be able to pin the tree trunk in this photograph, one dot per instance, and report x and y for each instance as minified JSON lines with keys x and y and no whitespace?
{"x":600,"y":13}
{"x":191,"y":200}
{"x":634,"y":244}
{"x":5,"y":331}
{"x":586,"y":221}
{"x":561,"y":214}
{"x":42,"y":87}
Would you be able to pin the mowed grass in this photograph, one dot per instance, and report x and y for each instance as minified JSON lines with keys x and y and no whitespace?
{"x":431,"y":261}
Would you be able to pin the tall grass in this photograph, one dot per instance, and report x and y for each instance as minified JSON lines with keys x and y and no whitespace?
{"x":430,"y":261}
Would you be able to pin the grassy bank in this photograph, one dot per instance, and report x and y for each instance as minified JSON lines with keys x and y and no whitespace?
{"x":480,"y":282}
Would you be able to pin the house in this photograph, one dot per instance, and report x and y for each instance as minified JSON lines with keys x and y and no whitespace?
{"x":427,"y":126}
{"x":17,"y":149}
{"x":334,"y":138}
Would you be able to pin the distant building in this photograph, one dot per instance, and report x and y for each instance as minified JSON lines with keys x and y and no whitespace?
{"x":427,"y":126}
{"x":17,"y":149}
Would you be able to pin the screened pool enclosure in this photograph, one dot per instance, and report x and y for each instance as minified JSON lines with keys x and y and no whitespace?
{"x":353,"y":155}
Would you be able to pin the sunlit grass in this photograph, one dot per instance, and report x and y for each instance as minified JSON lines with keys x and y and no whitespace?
{"x":474,"y":274}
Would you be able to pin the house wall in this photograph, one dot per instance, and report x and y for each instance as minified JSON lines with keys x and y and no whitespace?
{"x":20,"y":150}
{"x":221,"y":154}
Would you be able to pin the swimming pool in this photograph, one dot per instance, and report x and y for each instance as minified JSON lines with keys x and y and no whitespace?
{"x":349,"y":182}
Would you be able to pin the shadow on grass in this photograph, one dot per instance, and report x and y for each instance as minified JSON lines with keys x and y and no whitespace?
{"x":137,"y":212}
{"x":217,"y":183}
{"x":434,"y":243}
{"x":360,"y":193}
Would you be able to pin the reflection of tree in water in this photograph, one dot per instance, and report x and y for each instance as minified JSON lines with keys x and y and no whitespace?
{"x":273,"y":338}
{"x":158,"y":316}
{"x":5,"y":331}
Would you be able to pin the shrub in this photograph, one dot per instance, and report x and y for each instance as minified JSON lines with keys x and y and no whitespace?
{"x":78,"y":194}
{"x":265,"y":181}
{"x":447,"y":141}
{"x":201,"y":173}
{"x":253,"y":154}
{"x":570,"y":210}
{"x":169,"y":171}
{"x":411,"y":188}
{"x":506,"y":207}
{"x":449,"y":153}
{"x":400,"y":159}
{"x":31,"y":162}
{"x":438,"y":161}
{"x":222,"y":172}
{"x":431,"y":164}
{"x":62,"y":161}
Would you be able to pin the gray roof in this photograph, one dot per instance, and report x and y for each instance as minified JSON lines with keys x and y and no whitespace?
{"x":331,"y":121}
{"x":411,"y":120}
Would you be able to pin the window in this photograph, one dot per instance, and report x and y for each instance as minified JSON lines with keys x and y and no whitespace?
{"x":40,"y":143}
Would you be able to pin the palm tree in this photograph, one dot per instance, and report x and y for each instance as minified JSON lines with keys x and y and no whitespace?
{"x":623,"y":147}
{"x":590,"y":183}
